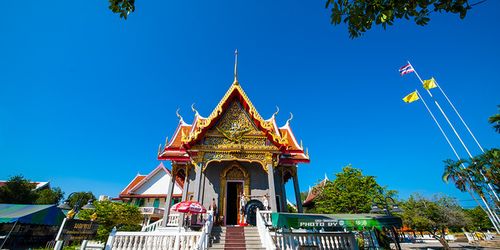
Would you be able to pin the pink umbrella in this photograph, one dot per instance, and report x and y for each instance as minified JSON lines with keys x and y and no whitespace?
{"x":192,"y":207}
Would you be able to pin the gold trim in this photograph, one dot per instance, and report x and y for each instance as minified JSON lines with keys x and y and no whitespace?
{"x":245,"y":177}
{"x":252,"y":111}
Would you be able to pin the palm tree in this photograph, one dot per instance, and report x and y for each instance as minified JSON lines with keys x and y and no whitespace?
{"x":466,"y":179}
{"x":495,"y":120}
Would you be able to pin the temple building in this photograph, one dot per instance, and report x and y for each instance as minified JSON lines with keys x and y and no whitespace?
{"x":313,"y":193}
{"x":234,"y":152}
{"x":149,"y":193}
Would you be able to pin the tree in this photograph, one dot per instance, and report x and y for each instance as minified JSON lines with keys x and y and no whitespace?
{"x":123,"y":216}
{"x":478,"y":219}
{"x":495,"y":120}
{"x":82,"y":197}
{"x":18,"y":190}
{"x":49,"y":196}
{"x":123,"y":7}
{"x":349,"y":192}
{"x":360,"y":15}
{"x":303,"y":195}
{"x":290,"y":208}
{"x":477,"y":176}
{"x":434,"y":215}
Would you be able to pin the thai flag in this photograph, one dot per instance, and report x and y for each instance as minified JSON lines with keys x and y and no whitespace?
{"x":406,"y":69}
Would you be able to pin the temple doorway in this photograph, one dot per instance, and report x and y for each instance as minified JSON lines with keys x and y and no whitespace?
{"x":234,"y":191}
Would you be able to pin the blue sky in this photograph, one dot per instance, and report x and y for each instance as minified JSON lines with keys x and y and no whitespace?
{"x":85,"y":97}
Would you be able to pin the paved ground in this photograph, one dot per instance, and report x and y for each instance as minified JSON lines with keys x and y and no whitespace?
{"x":495,"y":244}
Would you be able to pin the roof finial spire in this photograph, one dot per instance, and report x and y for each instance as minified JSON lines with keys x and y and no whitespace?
{"x":194,"y":110}
{"x":179,"y":115}
{"x":236,"y":66}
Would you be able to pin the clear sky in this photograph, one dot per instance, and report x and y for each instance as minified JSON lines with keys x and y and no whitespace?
{"x":85,"y":97}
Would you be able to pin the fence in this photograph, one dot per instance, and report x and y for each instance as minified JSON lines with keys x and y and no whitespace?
{"x":333,"y":240}
{"x":162,"y":239}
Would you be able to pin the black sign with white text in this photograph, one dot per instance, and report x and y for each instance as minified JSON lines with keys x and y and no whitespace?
{"x":78,"y":230}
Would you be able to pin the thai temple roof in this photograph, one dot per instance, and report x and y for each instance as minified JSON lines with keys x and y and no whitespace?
{"x":187,"y":135}
{"x":151,"y":185}
{"x":314,"y":192}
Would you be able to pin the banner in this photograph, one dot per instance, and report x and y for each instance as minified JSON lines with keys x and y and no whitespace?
{"x":334,"y":222}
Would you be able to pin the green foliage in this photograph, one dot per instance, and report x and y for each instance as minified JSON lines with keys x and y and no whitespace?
{"x":291,"y":209}
{"x":360,"y":15}
{"x":468,"y":174}
{"x":83,"y":197}
{"x":350,"y":192}
{"x":49,"y":196}
{"x":478,"y":219}
{"x":123,"y":7}
{"x":113,"y":214}
{"x":433,"y":215}
{"x":495,"y":120}
{"x":303,"y":195}
{"x":18,"y":190}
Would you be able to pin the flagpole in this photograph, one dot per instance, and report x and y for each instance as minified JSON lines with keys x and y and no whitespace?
{"x":489,"y":212}
{"x":442,"y":112}
{"x":456,"y":133}
{"x":459,"y":116}
{"x":439,"y":126}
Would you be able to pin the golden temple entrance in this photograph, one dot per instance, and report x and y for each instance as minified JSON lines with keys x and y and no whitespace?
{"x":236,"y":181}
{"x":234,"y":191}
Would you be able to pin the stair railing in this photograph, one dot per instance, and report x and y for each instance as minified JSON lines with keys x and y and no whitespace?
{"x":202,"y":243}
{"x":152,"y":227}
{"x":265,"y":235}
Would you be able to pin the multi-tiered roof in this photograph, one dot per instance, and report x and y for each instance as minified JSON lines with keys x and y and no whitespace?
{"x":186,"y":135}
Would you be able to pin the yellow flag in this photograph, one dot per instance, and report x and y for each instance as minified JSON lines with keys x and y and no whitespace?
{"x":430,"y":84}
{"x":413,"y":96}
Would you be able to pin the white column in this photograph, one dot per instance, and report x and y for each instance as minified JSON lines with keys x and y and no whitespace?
{"x":272,"y":191}
{"x":185,"y":189}
{"x":168,"y":200}
{"x":284,"y":203}
{"x":297,"y":192}
{"x":197,"y":192}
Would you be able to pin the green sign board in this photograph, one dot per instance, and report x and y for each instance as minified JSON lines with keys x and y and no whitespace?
{"x":334,"y":222}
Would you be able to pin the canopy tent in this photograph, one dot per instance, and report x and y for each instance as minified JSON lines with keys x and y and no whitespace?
{"x":31,"y":214}
{"x":334,"y":221}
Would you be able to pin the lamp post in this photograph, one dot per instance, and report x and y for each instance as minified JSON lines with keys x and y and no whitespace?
{"x":384,"y":203}
{"x":75,"y":209}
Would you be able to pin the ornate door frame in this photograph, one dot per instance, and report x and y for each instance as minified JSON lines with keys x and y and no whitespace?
{"x":233,"y":173}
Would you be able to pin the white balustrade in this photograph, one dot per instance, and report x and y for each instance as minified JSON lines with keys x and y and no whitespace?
{"x":153,"y":240}
{"x":174,"y":220}
{"x":333,"y":240}
{"x":262,"y":218}
{"x":162,"y":239}
{"x":206,"y":231}
{"x":266,"y":215}
{"x":152,"y":227}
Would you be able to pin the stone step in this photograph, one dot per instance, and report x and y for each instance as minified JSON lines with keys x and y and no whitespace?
{"x":233,"y":247}
{"x":222,"y":238}
{"x":222,"y":246}
{"x":233,"y":233}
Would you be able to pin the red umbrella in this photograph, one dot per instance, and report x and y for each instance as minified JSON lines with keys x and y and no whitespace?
{"x":192,"y":207}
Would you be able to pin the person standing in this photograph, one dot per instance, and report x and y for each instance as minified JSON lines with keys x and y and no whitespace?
{"x":243,"y":202}
{"x":265,"y":202}
{"x":213,"y":207}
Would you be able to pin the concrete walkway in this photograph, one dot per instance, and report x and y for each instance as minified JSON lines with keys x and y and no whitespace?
{"x":493,"y":244}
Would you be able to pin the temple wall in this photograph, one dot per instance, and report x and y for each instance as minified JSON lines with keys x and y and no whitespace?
{"x":211,"y":186}
{"x":259,"y":185}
